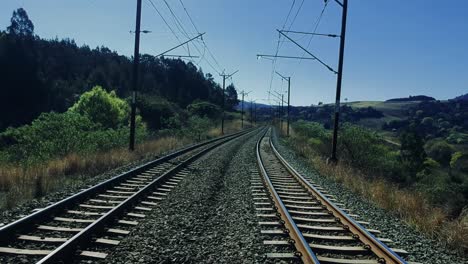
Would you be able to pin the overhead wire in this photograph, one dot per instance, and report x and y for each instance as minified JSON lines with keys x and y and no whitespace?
{"x":317,"y":23}
{"x":182,"y":31}
{"x":280,"y":44}
{"x":202,"y":40}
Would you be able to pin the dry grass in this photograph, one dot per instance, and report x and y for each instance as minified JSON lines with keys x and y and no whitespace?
{"x":409,"y":205}
{"x":24,"y":183}
{"x":230,"y":126}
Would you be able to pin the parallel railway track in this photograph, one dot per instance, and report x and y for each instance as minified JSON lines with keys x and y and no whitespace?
{"x":304,"y":222}
{"x":98,"y":217}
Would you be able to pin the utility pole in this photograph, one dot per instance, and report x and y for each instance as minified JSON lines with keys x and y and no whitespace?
{"x":136,"y":60}
{"x":225,"y":76}
{"x":281,"y":112}
{"x":242,"y":110}
{"x":251,"y":112}
{"x":333,"y":158}
{"x":289,"y":98}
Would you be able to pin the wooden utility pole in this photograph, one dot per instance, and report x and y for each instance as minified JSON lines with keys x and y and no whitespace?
{"x":136,"y":60}
{"x":288,"y":79}
{"x":225,"y":76}
{"x":333,"y":158}
{"x":243,"y":93}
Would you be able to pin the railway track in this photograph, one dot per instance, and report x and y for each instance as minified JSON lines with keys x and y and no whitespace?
{"x":303,"y":223}
{"x":89,"y":223}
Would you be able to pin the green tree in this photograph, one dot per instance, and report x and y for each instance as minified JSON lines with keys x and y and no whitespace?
{"x":440,"y":151}
{"x":231,"y":97}
{"x":21,"y":25}
{"x":197,"y":126}
{"x":412,"y":154}
{"x":204,"y":109}
{"x":103,"y":107}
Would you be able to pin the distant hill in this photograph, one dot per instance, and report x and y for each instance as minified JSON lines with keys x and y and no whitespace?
{"x":461,"y":97}
{"x":412,"y":99}
{"x":247,"y":105}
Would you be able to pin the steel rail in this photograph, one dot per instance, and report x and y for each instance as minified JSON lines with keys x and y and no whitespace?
{"x":67,"y":248}
{"x":385,"y":254}
{"x":304,"y":252}
{"x":8,"y":232}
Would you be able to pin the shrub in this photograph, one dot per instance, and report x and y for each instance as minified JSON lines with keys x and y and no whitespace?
{"x":103,"y":107}
{"x":58,"y":134}
{"x":364,"y":149}
{"x":440,"y":151}
{"x":204,"y":109}
{"x":198,"y":126}
{"x":156,"y":111}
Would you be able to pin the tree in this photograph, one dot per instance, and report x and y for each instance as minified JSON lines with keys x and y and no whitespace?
{"x":21,"y":25}
{"x":103,"y":107}
{"x":412,"y":154}
{"x":440,"y":151}
{"x":231,"y":97}
{"x":204,"y":109}
{"x":197,"y":126}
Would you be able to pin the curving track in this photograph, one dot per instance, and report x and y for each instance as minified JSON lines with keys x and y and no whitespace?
{"x":99,"y":217}
{"x":305,"y":223}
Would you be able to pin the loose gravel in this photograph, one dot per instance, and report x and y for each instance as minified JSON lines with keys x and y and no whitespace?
{"x":421,"y":249}
{"x":208,"y":218}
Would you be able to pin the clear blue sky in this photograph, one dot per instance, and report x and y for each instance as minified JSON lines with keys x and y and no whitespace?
{"x":394,"y":48}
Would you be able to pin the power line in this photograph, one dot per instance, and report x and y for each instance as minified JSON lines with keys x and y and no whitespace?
{"x":317,"y":23}
{"x":203,"y":41}
{"x":175,"y":35}
{"x":178,"y":24}
{"x":279,"y":45}
{"x":191,"y":20}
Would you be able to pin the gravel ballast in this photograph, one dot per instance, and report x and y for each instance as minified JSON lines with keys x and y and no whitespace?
{"x":75,"y":186}
{"x":208,"y":218}
{"x":421,"y":248}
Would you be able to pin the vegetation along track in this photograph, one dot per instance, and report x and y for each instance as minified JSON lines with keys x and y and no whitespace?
{"x":100,"y":216}
{"x":308,"y":225}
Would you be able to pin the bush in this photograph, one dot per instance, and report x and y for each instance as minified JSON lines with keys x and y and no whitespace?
{"x":103,"y":108}
{"x":156,"y":111}
{"x":440,"y":151}
{"x":204,"y":109}
{"x":54,"y":135}
{"x":197,"y":126}
{"x":365,"y":149}
{"x":51,"y":134}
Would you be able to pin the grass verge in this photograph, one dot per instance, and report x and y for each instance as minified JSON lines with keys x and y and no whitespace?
{"x":409,"y":205}
{"x":22,"y":183}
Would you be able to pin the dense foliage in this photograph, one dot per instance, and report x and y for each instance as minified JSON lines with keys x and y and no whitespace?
{"x":83,"y":129}
{"x":323,"y":113}
{"x":412,"y":99}
{"x":436,"y":119}
{"x":48,"y":75}
{"x":411,"y":166}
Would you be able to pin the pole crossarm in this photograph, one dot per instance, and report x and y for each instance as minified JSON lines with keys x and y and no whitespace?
{"x":304,"y":49}
{"x":338,"y":2}
{"x":181,"y":56}
{"x":311,"y":33}
{"x":283,"y":57}
{"x":285,"y":78}
{"x":198,"y":36}
{"x":227,"y":76}
{"x":278,"y":99}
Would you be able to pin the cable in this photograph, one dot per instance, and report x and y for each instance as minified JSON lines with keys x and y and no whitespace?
{"x":175,"y":35}
{"x":280,"y":44}
{"x":191,"y":20}
{"x":203,"y":41}
{"x":317,"y":23}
